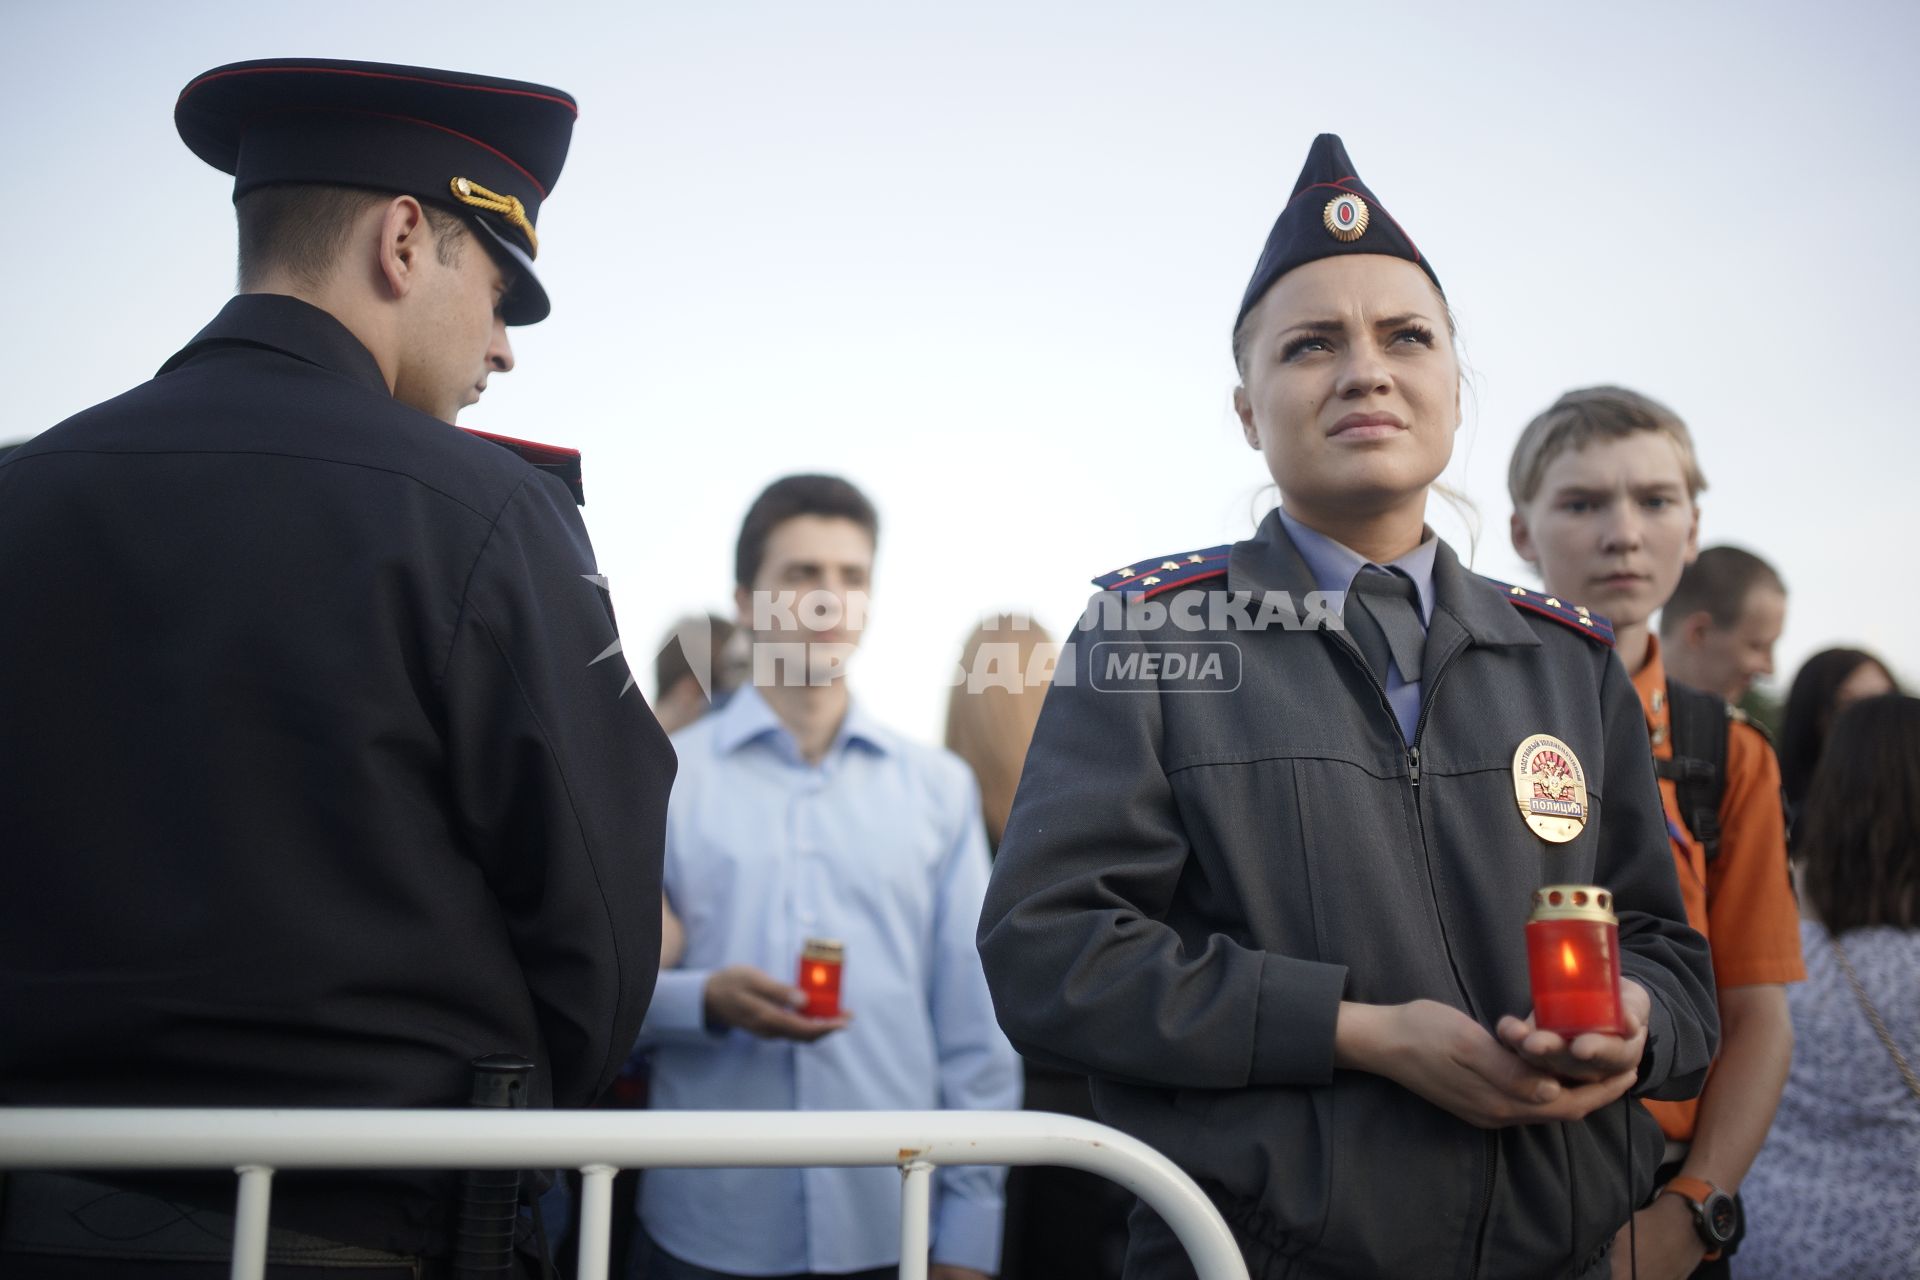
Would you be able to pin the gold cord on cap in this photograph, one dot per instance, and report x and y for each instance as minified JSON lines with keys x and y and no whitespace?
{"x":469,"y":192}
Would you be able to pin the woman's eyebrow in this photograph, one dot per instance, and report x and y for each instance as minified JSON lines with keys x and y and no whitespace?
{"x":1317,"y":326}
{"x":1339,"y":326}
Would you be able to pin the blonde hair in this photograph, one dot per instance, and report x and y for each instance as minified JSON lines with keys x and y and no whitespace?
{"x":1580,"y":417}
{"x":990,"y":722}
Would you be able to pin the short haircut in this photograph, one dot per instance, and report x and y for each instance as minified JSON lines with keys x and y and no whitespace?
{"x":1580,"y":417}
{"x":790,"y":496}
{"x":696,"y":646}
{"x":302,"y":228}
{"x":1857,"y":832}
{"x":1719,"y":582}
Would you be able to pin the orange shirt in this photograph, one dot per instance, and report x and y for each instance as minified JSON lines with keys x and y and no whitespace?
{"x":1743,"y":901}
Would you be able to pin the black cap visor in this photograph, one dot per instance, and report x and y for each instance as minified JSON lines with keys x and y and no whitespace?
{"x":526,"y":300}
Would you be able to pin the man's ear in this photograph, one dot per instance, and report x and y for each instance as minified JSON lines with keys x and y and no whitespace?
{"x":1522,"y":538}
{"x":1243,"y":410}
{"x":1694,"y":628}
{"x":743,"y":609}
{"x":1693,"y":533}
{"x":402,"y":244}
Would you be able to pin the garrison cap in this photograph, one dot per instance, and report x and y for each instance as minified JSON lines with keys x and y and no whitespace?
{"x":489,"y":149}
{"x":1331,"y":212}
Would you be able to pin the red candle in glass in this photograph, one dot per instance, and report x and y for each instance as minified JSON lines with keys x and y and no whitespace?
{"x":820,"y":962}
{"x":1573,"y":959}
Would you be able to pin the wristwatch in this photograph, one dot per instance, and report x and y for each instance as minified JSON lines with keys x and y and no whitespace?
{"x":1715,"y":1215}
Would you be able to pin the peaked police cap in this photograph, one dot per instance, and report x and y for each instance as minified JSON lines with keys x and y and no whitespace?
{"x":485,"y":148}
{"x":1331,"y":212}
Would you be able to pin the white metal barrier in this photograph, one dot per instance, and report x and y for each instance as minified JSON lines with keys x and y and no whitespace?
{"x":598,"y":1143}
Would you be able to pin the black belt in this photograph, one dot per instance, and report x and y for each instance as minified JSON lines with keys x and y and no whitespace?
{"x":53,"y":1213}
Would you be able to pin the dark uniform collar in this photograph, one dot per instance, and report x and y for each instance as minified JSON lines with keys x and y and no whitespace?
{"x":277,"y":322}
{"x":1269,"y":562}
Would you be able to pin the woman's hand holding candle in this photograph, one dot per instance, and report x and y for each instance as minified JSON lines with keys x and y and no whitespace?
{"x":1592,"y":1055}
{"x":1447,"y":1058}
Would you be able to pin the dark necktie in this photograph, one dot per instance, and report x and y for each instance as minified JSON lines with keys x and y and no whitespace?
{"x":1383,"y":616}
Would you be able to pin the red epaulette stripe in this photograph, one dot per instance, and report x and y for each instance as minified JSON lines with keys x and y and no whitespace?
{"x":1151,"y":592}
{"x":1593,"y":632}
{"x":513,"y":443}
{"x":1148,"y":572}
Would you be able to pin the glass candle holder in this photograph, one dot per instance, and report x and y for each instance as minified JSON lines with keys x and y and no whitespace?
{"x":1573,"y":960}
{"x":820,"y":964}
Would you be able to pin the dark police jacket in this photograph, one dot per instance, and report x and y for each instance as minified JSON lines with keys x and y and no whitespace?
{"x":1193,"y":879}
{"x":310,"y":788}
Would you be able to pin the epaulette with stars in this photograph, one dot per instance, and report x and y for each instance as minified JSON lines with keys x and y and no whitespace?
{"x":1146,"y":579}
{"x":1574,"y":617}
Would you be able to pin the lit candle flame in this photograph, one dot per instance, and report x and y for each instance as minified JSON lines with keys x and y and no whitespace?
{"x":1569,"y":960}
{"x":819,"y":975}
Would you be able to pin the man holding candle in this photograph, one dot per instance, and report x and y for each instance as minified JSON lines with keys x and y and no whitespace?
{"x":1604,"y":485}
{"x":807,"y":843}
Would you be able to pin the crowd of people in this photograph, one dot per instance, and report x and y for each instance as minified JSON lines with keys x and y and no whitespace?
{"x":1242,"y":865}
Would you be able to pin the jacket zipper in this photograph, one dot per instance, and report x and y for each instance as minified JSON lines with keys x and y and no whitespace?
{"x":1491,"y":1142}
{"x":1490,"y":1155}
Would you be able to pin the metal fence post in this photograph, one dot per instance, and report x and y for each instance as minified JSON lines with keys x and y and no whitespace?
{"x":916,"y":1207}
{"x":596,"y":1221}
{"x":250,"y":1222}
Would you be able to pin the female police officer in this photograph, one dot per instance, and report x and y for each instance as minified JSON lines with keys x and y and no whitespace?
{"x":1267,"y":876}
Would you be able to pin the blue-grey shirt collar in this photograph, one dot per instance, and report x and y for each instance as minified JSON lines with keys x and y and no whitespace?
{"x":747,"y":717}
{"x":1334,"y":564}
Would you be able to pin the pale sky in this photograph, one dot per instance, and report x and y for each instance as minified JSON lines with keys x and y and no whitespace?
{"x":983,"y":258}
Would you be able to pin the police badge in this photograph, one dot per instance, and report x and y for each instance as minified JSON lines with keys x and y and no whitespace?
{"x":1550,"y":788}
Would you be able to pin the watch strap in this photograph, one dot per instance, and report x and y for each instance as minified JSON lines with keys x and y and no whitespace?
{"x":1696,"y":1192}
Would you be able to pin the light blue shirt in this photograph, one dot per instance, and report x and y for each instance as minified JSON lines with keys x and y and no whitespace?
{"x":1334,"y":566}
{"x":880,"y":845}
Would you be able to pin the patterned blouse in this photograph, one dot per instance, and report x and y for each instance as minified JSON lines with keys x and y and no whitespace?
{"x":1836,"y":1190}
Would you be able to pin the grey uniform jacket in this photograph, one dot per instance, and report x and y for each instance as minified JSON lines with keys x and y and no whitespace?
{"x":1192,"y":880}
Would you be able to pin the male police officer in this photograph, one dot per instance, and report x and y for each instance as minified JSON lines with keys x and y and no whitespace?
{"x":313,"y":790}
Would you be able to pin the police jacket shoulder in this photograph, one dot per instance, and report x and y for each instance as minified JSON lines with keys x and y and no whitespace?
{"x":1576,"y":618}
{"x":1158,"y":575}
{"x":275,"y":366}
